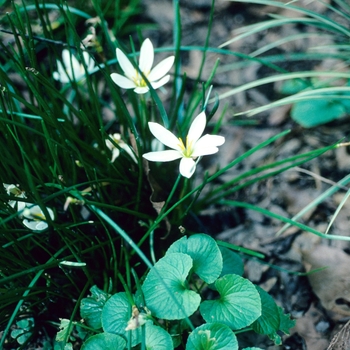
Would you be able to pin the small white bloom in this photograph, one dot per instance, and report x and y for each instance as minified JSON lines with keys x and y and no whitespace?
{"x":115,"y":150}
{"x":137,"y":319}
{"x":71,"y":69}
{"x":157,"y":76}
{"x":35,"y":218}
{"x":196,"y":146}
{"x":13,"y":190}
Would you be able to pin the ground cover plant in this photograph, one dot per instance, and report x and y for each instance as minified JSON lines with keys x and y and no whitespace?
{"x":110,"y":155}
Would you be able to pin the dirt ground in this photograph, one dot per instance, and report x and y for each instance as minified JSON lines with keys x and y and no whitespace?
{"x":320,"y":303}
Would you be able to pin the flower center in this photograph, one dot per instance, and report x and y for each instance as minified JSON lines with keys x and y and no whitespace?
{"x":39,"y":217}
{"x":138,"y":79}
{"x":36,"y":216}
{"x":186,"y":150}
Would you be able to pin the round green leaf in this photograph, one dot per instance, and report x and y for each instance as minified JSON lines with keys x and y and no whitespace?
{"x":165,"y":288}
{"x":91,"y":311}
{"x":269,"y":321}
{"x":212,"y":336}
{"x":293,"y":86}
{"x":316,"y":112}
{"x":238,"y":306}
{"x":115,"y":316}
{"x":232,"y":262}
{"x":104,"y":341}
{"x":206,"y":255}
{"x":91,"y":307}
{"x":157,"y":338}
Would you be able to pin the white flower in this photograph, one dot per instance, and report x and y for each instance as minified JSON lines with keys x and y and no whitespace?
{"x":71,"y":68}
{"x":157,"y":76}
{"x":137,"y":319}
{"x":196,"y":146}
{"x":115,"y":150}
{"x":35,"y":218}
{"x":13,"y":190}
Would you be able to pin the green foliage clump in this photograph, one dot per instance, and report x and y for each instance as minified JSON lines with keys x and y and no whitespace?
{"x":173,"y":291}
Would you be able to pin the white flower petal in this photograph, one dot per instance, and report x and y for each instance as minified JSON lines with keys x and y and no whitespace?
{"x":66,"y":58}
{"x":161,"y":82}
{"x":115,"y":154}
{"x":162,"y":156}
{"x":11,"y":189}
{"x":164,"y":136}
{"x":21,"y":206}
{"x":30,"y":224}
{"x":71,"y":69}
{"x":161,"y":69}
{"x":76,"y":68}
{"x":204,"y":151}
{"x":51,"y":213}
{"x":126,"y":65}
{"x":61,"y":74}
{"x":187,"y":167}
{"x":122,"y":82}
{"x":71,"y":66}
{"x":141,"y":90}
{"x":31,"y":211}
{"x":109,"y":145}
{"x":90,"y":63}
{"x":41,"y":225}
{"x":56,"y":76}
{"x":146,"y":57}
{"x":196,"y":129}
{"x":34,"y":212}
{"x":207,"y":145}
{"x":35,"y":225}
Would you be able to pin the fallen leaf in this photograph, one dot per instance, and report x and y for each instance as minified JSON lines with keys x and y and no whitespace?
{"x":331,"y":285}
{"x":341,"y":341}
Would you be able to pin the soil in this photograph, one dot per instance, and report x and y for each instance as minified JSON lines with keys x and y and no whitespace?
{"x":321,"y":303}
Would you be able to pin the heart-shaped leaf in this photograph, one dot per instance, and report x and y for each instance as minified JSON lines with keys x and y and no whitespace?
{"x":157,"y":338}
{"x":212,"y":336}
{"x":269,"y":321}
{"x":115,"y":316}
{"x":206,"y":255}
{"x":238,"y":306}
{"x":91,"y":307}
{"x":165,"y":288}
{"x":104,"y":341}
{"x":232,"y":262}
{"x":316,"y":112}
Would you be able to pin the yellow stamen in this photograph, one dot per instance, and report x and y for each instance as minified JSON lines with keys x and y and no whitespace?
{"x":189,"y":145}
{"x":39,"y":217}
{"x":181,"y":144}
{"x":138,"y":79}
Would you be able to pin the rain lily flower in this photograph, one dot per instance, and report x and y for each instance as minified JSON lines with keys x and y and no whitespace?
{"x":196,"y":146}
{"x":71,"y":69}
{"x":13,"y":190}
{"x":133,"y":79}
{"x":35,"y":218}
{"x":115,"y":150}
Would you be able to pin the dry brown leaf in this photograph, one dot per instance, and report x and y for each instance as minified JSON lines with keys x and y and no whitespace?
{"x":331,"y":285}
{"x":305,"y":327}
{"x":341,"y":341}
